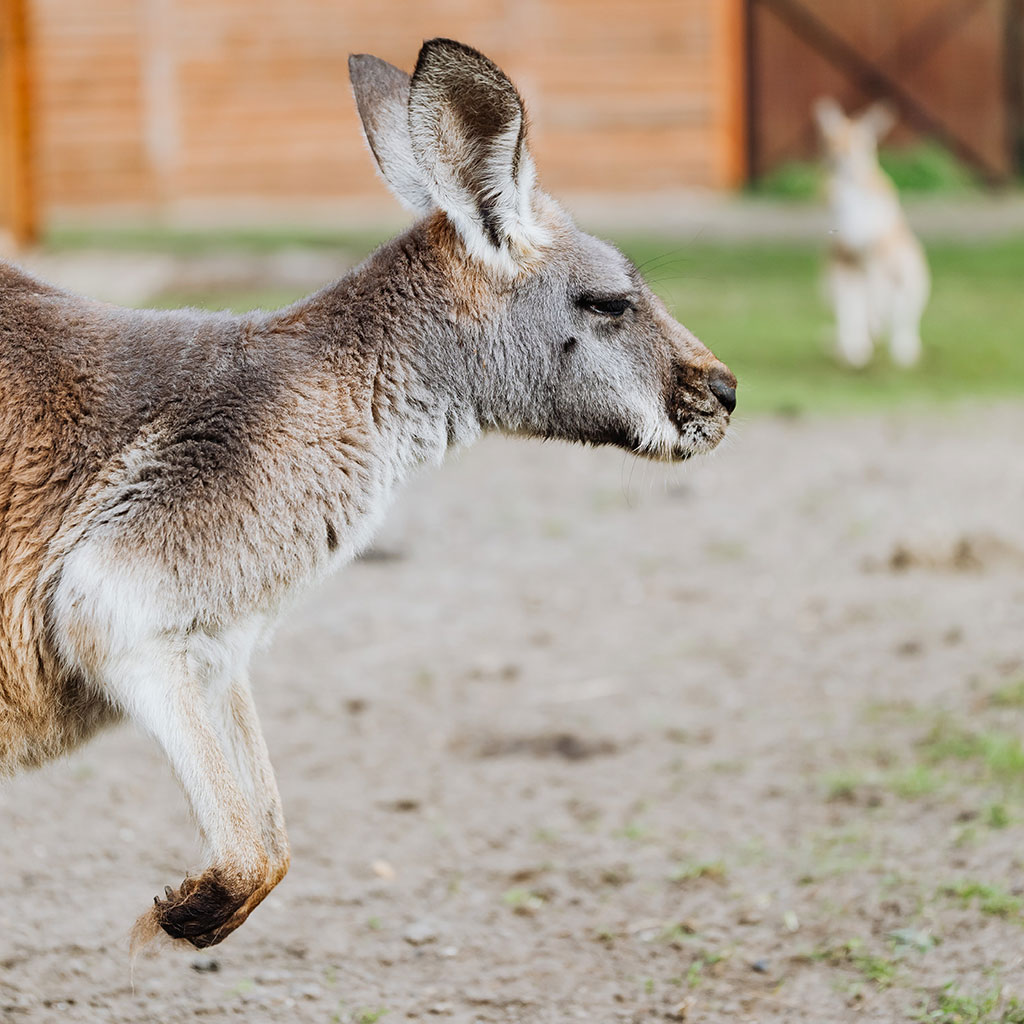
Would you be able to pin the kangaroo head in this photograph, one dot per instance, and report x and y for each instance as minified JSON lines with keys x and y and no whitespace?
{"x":565,"y":338}
{"x":851,"y":143}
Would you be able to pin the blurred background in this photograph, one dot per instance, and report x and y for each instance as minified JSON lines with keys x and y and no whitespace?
{"x":582,"y":737}
{"x":172,"y":127}
{"x":164,"y":110}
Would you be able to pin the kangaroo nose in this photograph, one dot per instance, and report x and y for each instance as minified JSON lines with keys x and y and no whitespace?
{"x":723,"y":386}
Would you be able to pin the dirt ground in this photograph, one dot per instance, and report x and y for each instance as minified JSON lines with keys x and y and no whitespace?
{"x":592,"y":739}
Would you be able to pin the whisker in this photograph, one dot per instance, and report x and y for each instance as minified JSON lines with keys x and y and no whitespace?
{"x":654,"y":259}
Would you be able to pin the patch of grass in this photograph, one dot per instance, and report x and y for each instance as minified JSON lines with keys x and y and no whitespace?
{"x":712,"y":869}
{"x":991,"y":899}
{"x":795,"y":179}
{"x":368,"y":1016}
{"x":893,"y":710}
{"x":879,"y":970}
{"x":849,"y":786}
{"x":523,"y":901}
{"x":843,"y":786}
{"x":966,"y":836}
{"x":677,"y":934}
{"x":946,"y":740}
{"x":695,"y":972}
{"x":243,"y":987}
{"x":925,"y":169}
{"x":727,"y":550}
{"x":999,"y":755}
{"x":914,"y":782}
{"x":1009,"y":696}
{"x":997,"y":816}
{"x":836,"y":852}
{"x":954,"y":1005}
{"x":634,"y":831}
{"x":1003,"y":756}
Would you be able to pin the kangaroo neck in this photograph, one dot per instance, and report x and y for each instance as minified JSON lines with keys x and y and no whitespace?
{"x":387,"y":340}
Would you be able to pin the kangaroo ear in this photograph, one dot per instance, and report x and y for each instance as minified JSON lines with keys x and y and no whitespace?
{"x":382,"y":97}
{"x":468,"y":129}
{"x":829,"y":116}
{"x":879,"y":119}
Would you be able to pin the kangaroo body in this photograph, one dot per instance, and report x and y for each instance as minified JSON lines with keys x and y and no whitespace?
{"x":209,"y":466}
{"x":169,"y":480}
{"x":877,"y":273}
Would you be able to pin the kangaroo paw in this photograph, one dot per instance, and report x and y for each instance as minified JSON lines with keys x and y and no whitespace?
{"x":196,"y":911}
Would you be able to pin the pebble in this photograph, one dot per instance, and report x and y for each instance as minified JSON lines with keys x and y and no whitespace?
{"x":383,"y":869}
{"x":205,"y":964}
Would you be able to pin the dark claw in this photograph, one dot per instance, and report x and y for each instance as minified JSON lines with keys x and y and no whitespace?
{"x":168,"y":891}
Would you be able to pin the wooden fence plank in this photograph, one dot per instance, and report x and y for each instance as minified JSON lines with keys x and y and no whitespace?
{"x":18,"y":202}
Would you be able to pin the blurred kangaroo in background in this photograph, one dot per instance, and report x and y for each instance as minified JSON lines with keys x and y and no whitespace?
{"x":168,"y":480}
{"x":878,"y":277}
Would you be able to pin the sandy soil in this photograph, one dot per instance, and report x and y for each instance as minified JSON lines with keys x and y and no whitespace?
{"x":591,"y":739}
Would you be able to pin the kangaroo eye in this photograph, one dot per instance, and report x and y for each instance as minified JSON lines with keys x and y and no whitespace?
{"x":605,"y":307}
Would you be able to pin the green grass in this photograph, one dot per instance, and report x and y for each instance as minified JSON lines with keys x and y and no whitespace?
{"x":914,"y":782}
{"x":997,"y":816}
{"x":1009,"y":696}
{"x":925,"y":169}
{"x":843,"y":786}
{"x":955,"y":1005}
{"x":879,"y":970}
{"x":760,"y":307}
{"x":714,"y":870}
{"x":368,"y":1016}
{"x":997,"y":756}
{"x":991,"y":899}
{"x":523,"y":901}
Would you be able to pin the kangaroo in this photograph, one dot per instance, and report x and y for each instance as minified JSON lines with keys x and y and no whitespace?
{"x":877,"y":273}
{"x":169,"y":480}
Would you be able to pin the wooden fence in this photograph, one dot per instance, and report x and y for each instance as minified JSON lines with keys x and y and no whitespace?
{"x":954,"y":69}
{"x":152,"y":105}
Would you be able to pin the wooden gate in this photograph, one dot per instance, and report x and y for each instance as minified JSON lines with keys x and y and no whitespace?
{"x":954,"y":69}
